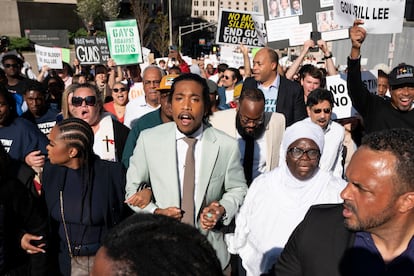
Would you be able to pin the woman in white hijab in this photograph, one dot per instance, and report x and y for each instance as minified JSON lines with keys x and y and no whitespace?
{"x":277,"y":201}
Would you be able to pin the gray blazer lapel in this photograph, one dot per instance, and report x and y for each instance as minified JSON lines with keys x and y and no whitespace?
{"x":209,"y":155}
{"x":164,"y":172}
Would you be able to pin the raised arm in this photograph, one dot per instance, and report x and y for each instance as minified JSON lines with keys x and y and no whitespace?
{"x":330,"y":66}
{"x":298,"y":61}
{"x":246,"y":61}
{"x":357,"y":35}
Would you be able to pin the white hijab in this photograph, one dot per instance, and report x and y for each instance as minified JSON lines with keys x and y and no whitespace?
{"x":275,"y":204}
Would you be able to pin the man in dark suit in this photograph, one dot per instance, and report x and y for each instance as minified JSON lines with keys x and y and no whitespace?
{"x":282,"y":95}
{"x":372,"y":232}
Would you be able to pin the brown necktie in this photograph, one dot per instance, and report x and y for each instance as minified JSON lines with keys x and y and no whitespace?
{"x":187,"y":204}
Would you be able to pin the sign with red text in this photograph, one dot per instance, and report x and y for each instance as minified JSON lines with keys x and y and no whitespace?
{"x":380,"y":16}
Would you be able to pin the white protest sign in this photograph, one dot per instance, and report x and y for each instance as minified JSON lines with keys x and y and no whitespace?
{"x":342,"y":102}
{"x":380,"y":17}
{"x":231,"y":56}
{"x":300,"y":33}
{"x":281,"y":29}
{"x":49,"y":56}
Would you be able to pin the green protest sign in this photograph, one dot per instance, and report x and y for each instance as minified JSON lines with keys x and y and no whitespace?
{"x":123,"y":41}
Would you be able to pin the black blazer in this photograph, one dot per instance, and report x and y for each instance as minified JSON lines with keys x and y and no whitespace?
{"x":290,"y":100}
{"x":318,"y":245}
{"x":120,"y":135}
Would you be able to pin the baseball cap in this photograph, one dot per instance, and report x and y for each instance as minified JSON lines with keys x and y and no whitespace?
{"x":402,"y":74}
{"x":13,"y":57}
{"x":166,"y":83}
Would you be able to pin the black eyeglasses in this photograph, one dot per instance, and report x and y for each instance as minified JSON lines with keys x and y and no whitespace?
{"x":325,"y":110}
{"x":227,"y":77}
{"x":8,"y":65}
{"x":246,"y":120}
{"x":297,"y":153}
{"x":89,"y":100}
{"x":116,"y":90}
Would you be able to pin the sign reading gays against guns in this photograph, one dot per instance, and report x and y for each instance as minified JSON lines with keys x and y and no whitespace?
{"x":123,"y":41}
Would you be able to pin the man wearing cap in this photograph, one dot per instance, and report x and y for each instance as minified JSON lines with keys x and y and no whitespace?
{"x":144,"y":104}
{"x":152,"y":119}
{"x":377,"y":113}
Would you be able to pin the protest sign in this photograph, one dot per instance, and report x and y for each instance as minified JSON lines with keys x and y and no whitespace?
{"x":380,"y":17}
{"x":236,"y":27}
{"x":51,"y":57}
{"x":123,"y":41}
{"x":342,"y":102}
{"x":91,"y":50}
{"x":232,"y":56}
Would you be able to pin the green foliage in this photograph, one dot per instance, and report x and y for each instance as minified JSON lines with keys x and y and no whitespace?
{"x":19,"y":43}
{"x":91,"y":11}
{"x":160,"y":36}
{"x":111,"y":9}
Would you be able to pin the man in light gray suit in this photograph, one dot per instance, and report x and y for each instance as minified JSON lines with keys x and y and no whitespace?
{"x":160,"y":159}
{"x":250,"y":121}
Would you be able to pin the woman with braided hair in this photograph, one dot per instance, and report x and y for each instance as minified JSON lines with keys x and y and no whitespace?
{"x":83,"y":193}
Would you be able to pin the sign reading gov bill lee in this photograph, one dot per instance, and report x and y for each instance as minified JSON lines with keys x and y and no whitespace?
{"x":123,"y":41}
{"x":380,"y":16}
{"x":237,"y":28}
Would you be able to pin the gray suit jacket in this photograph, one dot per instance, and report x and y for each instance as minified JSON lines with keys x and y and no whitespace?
{"x":275,"y":127}
{"x":221,"y":176}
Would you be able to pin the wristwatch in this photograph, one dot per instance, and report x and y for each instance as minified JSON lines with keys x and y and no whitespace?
{"x":327,"y":57}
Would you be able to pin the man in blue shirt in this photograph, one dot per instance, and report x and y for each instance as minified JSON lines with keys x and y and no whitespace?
{"x":39,"y":112}
{"x":371,"y":233}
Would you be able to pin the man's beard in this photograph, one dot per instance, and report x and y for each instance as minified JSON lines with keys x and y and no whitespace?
{"x":257,"y":132}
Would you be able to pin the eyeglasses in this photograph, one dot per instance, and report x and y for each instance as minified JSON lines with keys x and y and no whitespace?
{"x":154,"y":83}
{"x":297,"y":153}
{"x":227,"y":77}
{"x":89,"y":100}
{"x":246,"y":120}
{"x":325,"y":110}
{"x":8,"y":65}
{"x":116,"y":90}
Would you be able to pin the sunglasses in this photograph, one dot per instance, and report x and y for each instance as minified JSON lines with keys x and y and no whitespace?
{"x":116,"y":90}
{"x":325,"y":110}
{"x":227,"y":77}
{"x":89,"y":100}
{"x":8,"y":65}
